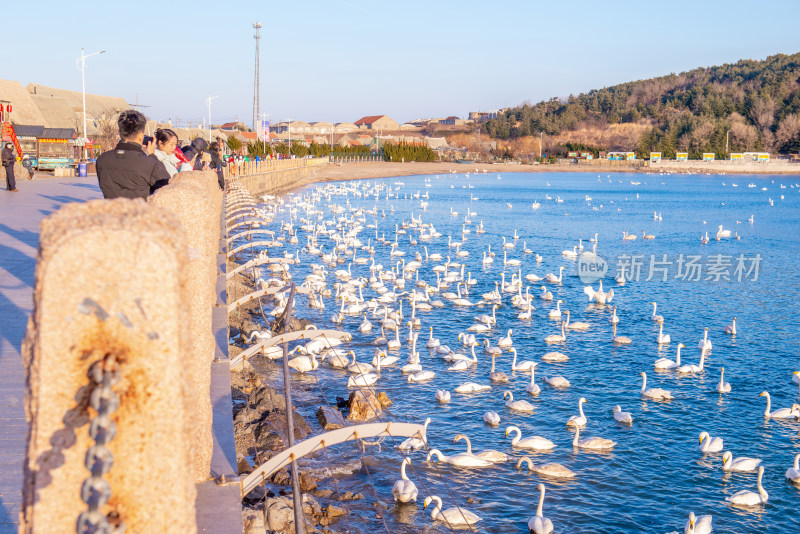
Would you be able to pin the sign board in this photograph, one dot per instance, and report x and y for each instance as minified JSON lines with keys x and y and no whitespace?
{"x":763,"y":158}
{"x":572,"y":155}
{"x":630,"y":155}
{"x":263,"y":133}
{"x":708,"y":156}
{"x":681,"y":156}
{"x":736,"y":156}
{"x":655,"y":157}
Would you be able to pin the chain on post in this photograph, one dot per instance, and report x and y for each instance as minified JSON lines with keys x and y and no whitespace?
{"x":96,"y":491}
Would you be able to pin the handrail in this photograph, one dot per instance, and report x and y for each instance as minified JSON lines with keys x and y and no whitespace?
{"x":289,"y":336}
{"x":334,"y":437}
{"x":248,"y":245}
{"x":255,"y":262}
{"x":248,"y":232}
{"x":262,"y":292}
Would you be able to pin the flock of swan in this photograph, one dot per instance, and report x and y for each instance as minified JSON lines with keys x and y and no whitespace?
{"x":340,"y":244}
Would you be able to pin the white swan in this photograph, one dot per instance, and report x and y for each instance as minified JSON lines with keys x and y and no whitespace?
{"x":619,"y":340}
{"x":539,"y":524}
{"x":782,"y":413}
{"x":497,"y":376}
{"x":705,"y":343}
{"x":654,"y":393}
{"x":556,"y":338}
{"x":666,"y":363}
{"x":443,"y":396}
{"x":415,"y":443}
{"x":663,"y":338}
{"x":452,"y":516}
{"x":555,"y":356}
{"x":593,"y":443}
{"x":709,"y":444}
{"x":599,"y":296}
{"x":750,"y":498}
{"x":491,"y":418}
{"x":697,"y":525}
{"x":471,"y":387}
{"x":743,"y":463}
{"x":723,"y":387}
{"x":553,"y":279}
{"x":491,"y":455}
{"x":577,"y":325}
{"x":525,"y":365}
{"x":690,"y":369}
{"x":421,"y":376}
{"x":358,"y":367}
{"x":552,"y":470}
{"x":362,"y":380}
{"x":304,"y":364}
{"x":533,"y":388}
{"x":404,"y":490}
{"x":656,"y":318}
{"x":432,"y":341}
{"x":614,"y":319}
{"x":517,"y":406}
{"x":505,"y":342}
{"x":556,"y":314}
{"x":546,"y":295}
{"x":459,"y":460}
{"x":793,"y":473}
{"x":537,"y":443}
{"x":557,"y":381}
{"x":578,"y":420}
{"x":365,"y":325}
{"x":731,"y":328}
{"x":622,"y":417}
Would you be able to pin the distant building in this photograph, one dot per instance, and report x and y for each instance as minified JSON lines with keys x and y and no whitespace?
{"x":453,"y":121}
{"x":377,"y":122}
{"x":345,"y":127}
{"x":321,"y":128}
{"x":483,"y":116}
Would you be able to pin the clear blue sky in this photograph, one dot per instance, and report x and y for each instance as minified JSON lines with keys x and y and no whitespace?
{"x":339,"y":60}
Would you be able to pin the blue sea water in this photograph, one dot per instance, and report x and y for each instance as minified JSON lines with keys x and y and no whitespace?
{"x":656,"y":474}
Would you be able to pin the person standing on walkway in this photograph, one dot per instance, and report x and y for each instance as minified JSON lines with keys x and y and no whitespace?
{"x":217,"y":163}
{"x":8,"y":162}
{"x":126,"y":171}
{"x":26,"y":162}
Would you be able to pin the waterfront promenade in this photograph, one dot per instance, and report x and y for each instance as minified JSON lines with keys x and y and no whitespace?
{"x":20,"y":215}
{"x":218,"y":506}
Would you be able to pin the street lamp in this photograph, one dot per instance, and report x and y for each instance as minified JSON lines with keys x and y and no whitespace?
{"x":208,"y":101}
{"x":82,"y":68}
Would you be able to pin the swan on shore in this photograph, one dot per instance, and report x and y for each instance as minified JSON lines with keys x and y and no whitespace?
{"x":552,"y":470}
{"x":455,"y":516}
{"x":404,"y":490}
{"x":539,"y":524}
{"x":751,"y":498}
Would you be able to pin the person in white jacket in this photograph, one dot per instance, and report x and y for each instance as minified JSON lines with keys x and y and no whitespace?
{"x":166,"y":142}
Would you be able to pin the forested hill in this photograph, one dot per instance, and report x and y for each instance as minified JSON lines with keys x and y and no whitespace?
{"x":756,"y":102}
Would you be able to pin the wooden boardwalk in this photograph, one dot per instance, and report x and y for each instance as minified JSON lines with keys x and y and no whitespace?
{"x":219,"y":507}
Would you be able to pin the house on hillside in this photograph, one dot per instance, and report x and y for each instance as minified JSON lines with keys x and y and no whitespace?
{"x":377,"y":122}
{"x":345,"y":127}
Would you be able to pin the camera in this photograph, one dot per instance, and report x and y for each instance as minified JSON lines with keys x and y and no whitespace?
{"x":147,"y":140}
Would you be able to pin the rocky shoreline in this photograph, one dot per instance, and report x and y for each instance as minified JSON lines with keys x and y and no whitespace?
{"x":259,"y":418}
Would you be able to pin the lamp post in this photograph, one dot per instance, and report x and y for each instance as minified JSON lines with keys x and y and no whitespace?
{"x":208,"y":102}
{"x":82,"y":68}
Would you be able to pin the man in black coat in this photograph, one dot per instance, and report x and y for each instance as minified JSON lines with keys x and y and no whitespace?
{"x":217,"y":163}
{"x":127,"y":171}
{"x":8,"y":162}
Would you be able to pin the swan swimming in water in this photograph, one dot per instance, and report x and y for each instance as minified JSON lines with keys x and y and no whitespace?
{"x":656,"y":318}
{"x":743,"y":463}
{"x":404,"y":490}
{"x":709,"y":444}
{"x":705,"y":343}
{"x":697,"y":525}
{"x":415,"y":443}
{"x":793,"y":473}
{"x":666,"y":363}
{"x":491,"y":418}
{"x":526,"y":365}
{"x":533,"y":388}
{"x":622,"y":417}
{"x":552,"y":470}
{"x":578,"y":420}
{"x":490,"y":455}
{"x":782,"y":413}
{"x":472,"y":387}
{"x":539,"y":524}
{"x":723,"y":387}
{"x":654,"y":393}
{"x":459,"y":460}
{"x":452,"y":516}
{"x":537,"y":443}
{"x":731,"y":328}
{"x":663,"y":338}
{"x":693,"y":369}
{"x":593,"y":443}
{"x":751,"y":498}
{"x":443,"y":396}
{"x":517,"y":406}
{"x":557,"y":381}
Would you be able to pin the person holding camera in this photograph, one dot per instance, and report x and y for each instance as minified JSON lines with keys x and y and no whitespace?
{"x":127,"y":171}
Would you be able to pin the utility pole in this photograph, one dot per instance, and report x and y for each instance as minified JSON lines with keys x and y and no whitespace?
{"x":208,"y":102}
{"x":82,"y":68}
{"x":256,"y":84}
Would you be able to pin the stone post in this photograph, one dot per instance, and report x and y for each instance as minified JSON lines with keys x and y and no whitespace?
{"x":110,"y":279}
{"x":195,"y":199}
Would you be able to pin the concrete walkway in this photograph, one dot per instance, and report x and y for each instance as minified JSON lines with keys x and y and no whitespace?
{"x":20,"y":214}
{"x":219,"y":506}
